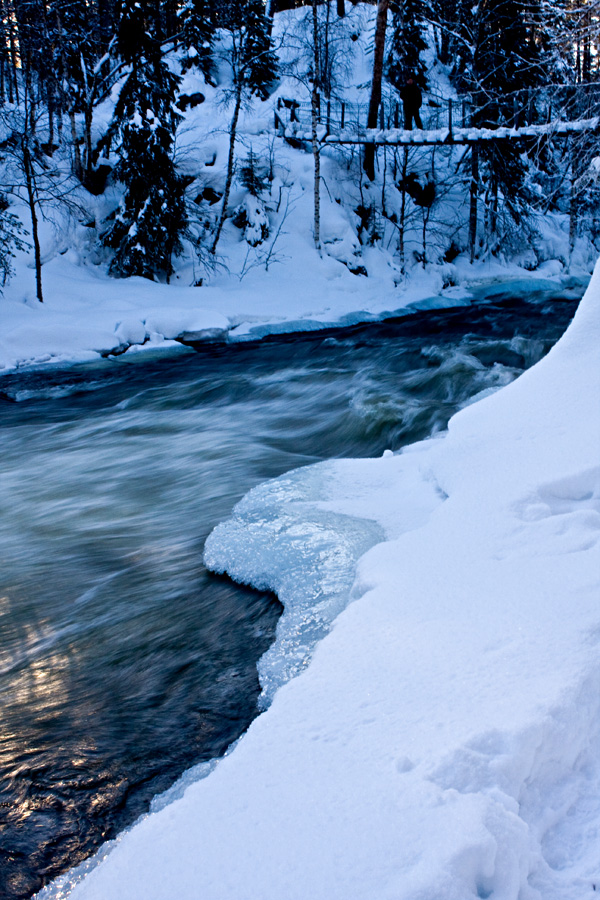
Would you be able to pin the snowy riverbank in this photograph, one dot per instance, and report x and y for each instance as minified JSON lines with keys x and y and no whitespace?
{"x":444,"y":739}
{"x":86,"y":315}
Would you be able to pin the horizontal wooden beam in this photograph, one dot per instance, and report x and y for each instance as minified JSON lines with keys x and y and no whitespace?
{"x":417,"y":138}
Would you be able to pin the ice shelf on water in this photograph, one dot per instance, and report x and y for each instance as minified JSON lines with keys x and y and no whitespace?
{"x":300,"y":536}
{"x":276,"y":541}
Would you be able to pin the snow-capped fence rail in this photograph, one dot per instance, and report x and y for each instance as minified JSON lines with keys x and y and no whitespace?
{"x":555,"y":111}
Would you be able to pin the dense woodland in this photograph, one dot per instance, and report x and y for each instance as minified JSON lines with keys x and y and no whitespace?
{"x":59,"y":61}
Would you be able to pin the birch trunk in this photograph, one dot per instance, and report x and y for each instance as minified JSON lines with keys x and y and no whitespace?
{"x":473,"y":192}
{"x":230,"y":165}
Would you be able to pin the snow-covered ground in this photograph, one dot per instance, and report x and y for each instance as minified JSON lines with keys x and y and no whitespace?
{"x":85,"y":314}
{"x":281,"y":285}
{"x":444,"y":741}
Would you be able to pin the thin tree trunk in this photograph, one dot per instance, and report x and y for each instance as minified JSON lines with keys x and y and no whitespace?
{"x":473,"y":192}
{"x":494,"y":209}
{"x":88,"y":118}
{"x":315,"y":105}
{"x":77,"y":166}
{"x":29,"y":181}
{"x":50,"y":128}
{"x":317,"y":162}
{"x":230,"y":165}
{"x":573,"y":202}
{"x":402,"y":208}
{"x":88,"y":115}
{"x":426,"y":213}
{"x":375,"y":100}
{"x":13,"y":56}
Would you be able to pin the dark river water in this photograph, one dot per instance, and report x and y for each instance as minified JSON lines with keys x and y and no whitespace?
{"x":122,"y":660}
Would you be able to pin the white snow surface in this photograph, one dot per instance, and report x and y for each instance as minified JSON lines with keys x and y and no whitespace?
{"x":282,"y":284}
{"x":444,"y":741}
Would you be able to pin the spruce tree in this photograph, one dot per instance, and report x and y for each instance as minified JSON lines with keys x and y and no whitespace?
{"x":253,"y":175}
{"x":407,"y":43}
{"x":197,"y":35}
{"x":11,"y":239}
{"x":147,"y":227}
{"x":506,"y":56}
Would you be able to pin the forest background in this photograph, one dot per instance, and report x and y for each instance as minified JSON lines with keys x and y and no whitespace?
{"x":109,"y":111}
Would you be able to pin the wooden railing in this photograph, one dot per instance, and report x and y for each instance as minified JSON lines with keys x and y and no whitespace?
{"x":518,"y":109}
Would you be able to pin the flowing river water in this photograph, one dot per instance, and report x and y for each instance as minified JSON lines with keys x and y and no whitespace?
{"x":122,"y":660}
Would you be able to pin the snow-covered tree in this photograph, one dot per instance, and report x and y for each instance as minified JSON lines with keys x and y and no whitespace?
{"x":147,"y":227}
{"x":197,"y":35}
{"x":11,"y":239}
{"x":453,"y":22}
{"x":253,"y":175}
{"x":407,"y":43}
{"x":248,"y":52}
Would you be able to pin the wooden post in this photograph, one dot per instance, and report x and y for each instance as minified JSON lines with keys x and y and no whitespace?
{"x":343,"y":118}
{"x":381,"y":117}
{"x":450,"y":118}
{"x":396,"y":117}
{"x":473,"y":193}
{"x":328,"y":116}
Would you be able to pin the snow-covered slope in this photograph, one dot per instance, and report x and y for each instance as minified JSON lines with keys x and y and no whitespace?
{"x":445,"y":739}
{"x":283,"y":284}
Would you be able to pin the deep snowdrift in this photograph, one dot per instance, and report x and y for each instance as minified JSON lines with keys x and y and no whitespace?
{"x":445,"y":739}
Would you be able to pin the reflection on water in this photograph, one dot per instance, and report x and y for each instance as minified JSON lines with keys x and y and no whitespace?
{"x":122,"y":661}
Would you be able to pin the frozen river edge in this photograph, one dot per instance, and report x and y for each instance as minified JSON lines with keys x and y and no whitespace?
{"x":86,"y":316}
{"x":443,"y":741}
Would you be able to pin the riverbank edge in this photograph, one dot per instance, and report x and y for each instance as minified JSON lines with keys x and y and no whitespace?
{"x":63,"y":341}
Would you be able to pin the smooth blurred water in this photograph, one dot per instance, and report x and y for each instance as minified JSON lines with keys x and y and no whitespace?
{"x":122,"y":661}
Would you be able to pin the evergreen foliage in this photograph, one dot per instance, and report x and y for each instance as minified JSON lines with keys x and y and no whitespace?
{"x":407,"y":43}
{"x":147,"y":228}
{"x":454,"y":29}
{"x":11,"y":239}
{"x":506,"y":55}
{"x":253,"y":175}
{"x":197,"y":36}
{"x":253,"y":61}
{"x":498,"y":79}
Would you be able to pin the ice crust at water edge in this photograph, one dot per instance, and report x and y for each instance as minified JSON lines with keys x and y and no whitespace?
{"x":444,"y":740}
{"x":286,"y":536}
